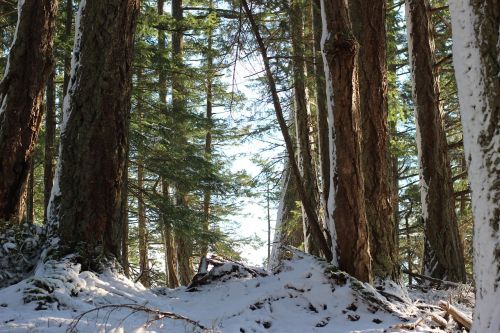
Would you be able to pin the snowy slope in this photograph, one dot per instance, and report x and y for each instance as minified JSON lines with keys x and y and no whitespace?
{"x":300,"y":298}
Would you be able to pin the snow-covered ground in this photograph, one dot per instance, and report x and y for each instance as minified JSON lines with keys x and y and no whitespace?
{"x":301,"y":297}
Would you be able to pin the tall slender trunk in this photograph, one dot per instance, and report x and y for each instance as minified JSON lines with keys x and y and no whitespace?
{"x":21,"y":95}
{"x":184,"y":249}
{"x":30,"y":200}
{"x":369,"y":30}
{"x":168,"y":245}
{"x":143,"y":231}
{"x":86,"y":208}
{"x":302,"y":122}
{"x":443,"y":253}
{"x":309,"y":209}
{"x":476,"y":58}
{"x":207,"y":193}
{"x":68,"y":24}
{"x":346,"y":206}
{"x":50,"y":143}
{"x":124,"y":220}
{"x":321,"y":109}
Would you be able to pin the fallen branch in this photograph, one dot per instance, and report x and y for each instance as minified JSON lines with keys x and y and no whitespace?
{"x":438,"y":319}
{"x":456,"y":314}
{"x":431,"y":279}
{"x":159,"y":315}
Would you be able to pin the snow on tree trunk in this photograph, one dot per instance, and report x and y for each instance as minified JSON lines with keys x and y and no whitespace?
{"x":443,"y":254}
{"x":21,"y":95}
{"x":476,"y":57}
{"x":302,"y":122}
{"x":346,"y":207}
{"x":85,"y":205}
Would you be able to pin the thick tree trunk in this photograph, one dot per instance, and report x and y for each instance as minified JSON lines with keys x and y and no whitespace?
{"x":86,"y":199}
{"x":302,"y":122}
{"x":321,"y":109}
{"x":50,"y":143}
{"x":369,"y":30}
{"x":21,"y":95}
{"x":443,"y":253}
{"x":476,"y":57}
{"x":346,"y":206}
{"x":309,"y":209}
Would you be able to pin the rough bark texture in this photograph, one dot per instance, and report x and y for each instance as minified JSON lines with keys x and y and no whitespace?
{"x":50,"y":143}
{"x":443,"y":253}
{"x":86,"y":199}
{"x":476,"y":56}
{"x":321,"y":109}
{"x":309,"y":209}
{"x":347,"y":207}
{"x":369,"y":29}
{"x":302,"y":123}
{"x":21,"y":95}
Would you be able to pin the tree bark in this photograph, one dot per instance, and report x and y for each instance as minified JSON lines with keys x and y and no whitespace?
{"x":168,"y":245}
{"x":207,"y":193}
{"x":302,"y":122}
{"x":306,"y":204}
{"x":443,"y":253}
{"x":346,"y":207}
{"x":369,"y":30}
{"x":86,"y":205}
{"x":68,"y":24}
{"x":50,"y":143}
{"x":321,"y":109}
{"x":21,"y":95}
{"x":476,"y":57}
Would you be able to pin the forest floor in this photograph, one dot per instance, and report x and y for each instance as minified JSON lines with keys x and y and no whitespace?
{"x":304,"y":295}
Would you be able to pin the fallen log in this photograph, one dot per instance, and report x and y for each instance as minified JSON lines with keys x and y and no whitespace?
{"x":456,"y":314}
{"x":439,"y":282}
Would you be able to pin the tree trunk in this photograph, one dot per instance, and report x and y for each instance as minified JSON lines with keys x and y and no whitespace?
{"x":168,"y":246}
{"x":309,"y":209}
{"x":50,"y":144}
{"x":476,"y":58}
{"x":68,"y":24}
{"x":369,"y":30}
{"x":346,"y":207}
{"x":321,"y":109}
{"x":86,"y":205}
{"x":207,"y":193}
{"x":30,"y":200}
{"x":21,"y":95}
{"x":143,"y":231}
{"x":443,"y":253}
{"x":302,"y":122}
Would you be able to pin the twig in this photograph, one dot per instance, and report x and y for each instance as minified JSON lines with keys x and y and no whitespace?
{"x":431,"y":279}
{"x":135,"y":308}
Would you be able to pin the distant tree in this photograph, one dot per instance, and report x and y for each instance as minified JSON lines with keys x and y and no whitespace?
{"x":86,"y":207}
{"x":476,"y":58}
{"x":443,"y":254}
{"x":28,"y":68}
